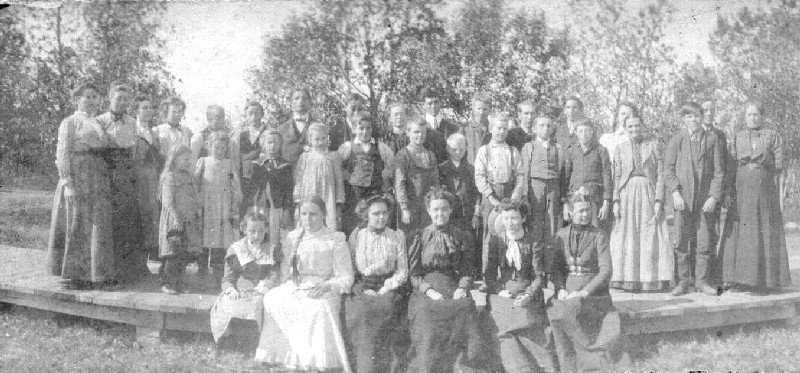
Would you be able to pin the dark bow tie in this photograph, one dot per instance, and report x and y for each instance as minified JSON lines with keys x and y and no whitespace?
{"x":117,"y":116}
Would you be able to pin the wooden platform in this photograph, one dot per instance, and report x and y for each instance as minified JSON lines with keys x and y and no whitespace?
{"x":23,"y":282}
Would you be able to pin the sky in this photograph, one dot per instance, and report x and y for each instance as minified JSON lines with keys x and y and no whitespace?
{"x":212,"y":44}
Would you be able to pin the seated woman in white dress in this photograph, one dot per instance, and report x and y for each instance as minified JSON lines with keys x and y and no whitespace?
{"x":301,"y":328}
{"x":376,"y":304}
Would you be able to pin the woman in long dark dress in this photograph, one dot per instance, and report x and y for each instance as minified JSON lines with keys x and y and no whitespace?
{"x":586,"y":327}
{"x":374,"y":308}
{"x":81,"y":236}
{"x":515,"y":275}
{"x":755,"y":251}
{"x":442,"y":315}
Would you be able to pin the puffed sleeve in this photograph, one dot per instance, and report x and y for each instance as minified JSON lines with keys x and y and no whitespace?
{"x":776,"y":147}
{"x":603,"y":275}
{"x":605,"y":162}
{"x":481,"y":173}
{"x":415,"y":264}
{"x":338,"y":177}
{"x":467,"y":265}
{"x":617,"y":166}
{"x":66,"y":136}
{"x":401,"y":271}
{"x":343,"y":276}
{"x":174,"y":220}
{"x":299,"y":169}
{"x":660,"y":187}
{"x":388,"y":164}
{"x":232,"y":270}
{"x":401,"y":171}
{"x":518,"y":169}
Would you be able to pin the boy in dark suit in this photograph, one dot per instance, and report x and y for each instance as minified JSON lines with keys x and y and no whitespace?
{"x":693,"y":174}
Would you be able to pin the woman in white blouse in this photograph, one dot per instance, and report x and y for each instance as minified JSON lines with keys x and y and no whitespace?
{"x":301,"y":328}
{"x":376,"y":304}
{"x":618,"y":135}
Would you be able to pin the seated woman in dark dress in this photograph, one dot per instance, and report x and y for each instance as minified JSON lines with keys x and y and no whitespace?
{"x":376,"y":304}
{"x":515,"y":275}
{"x":586,"y":327}
{"x":442,"y":315}
{"x":251,"y":269}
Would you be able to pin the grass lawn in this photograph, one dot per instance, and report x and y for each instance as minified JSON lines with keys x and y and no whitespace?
{"x":32,"y":340}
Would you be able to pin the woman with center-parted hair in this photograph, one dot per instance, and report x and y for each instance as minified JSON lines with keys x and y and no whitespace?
{"x":302,"y":327}
{"x":80,"y":247}
{"x":586,"y":327}
{"x":377,"y":300}
{"x":443,"y":320}
{"x":514,"y":277}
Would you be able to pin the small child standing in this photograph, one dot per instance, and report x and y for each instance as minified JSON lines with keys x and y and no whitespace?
{"x":458,"y":177}
{"x":416,"y":172}
{"x":179,"y":232}
{"x":587,"y":166}
{"x":272,"y":181}
{"x":251,"y":269}
{"x":541,"y":159}
{"x":367,"y":165}
{"x":498,"y":174}
{"x":218,"y":182}
{"x":319,"y":173}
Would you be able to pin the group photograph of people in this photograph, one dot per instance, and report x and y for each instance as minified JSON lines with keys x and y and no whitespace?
{"x":420,"y":186}
{"x":362,"y":241}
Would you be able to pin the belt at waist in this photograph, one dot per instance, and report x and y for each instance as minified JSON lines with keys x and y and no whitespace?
{"x":543,"y":179}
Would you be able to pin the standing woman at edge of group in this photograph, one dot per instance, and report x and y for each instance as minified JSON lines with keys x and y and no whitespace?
{"x":755,"y":254}
{"x":148,"y":163}
{"x":81,"y":235}
{"x":641,"y":254}
{"x":302,"y":325}
{"x":375,"y":307}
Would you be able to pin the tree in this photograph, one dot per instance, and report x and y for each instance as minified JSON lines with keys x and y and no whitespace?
{"x":14,"y":51}
{"x":512,"y":55}
{"x":621,"y":55}
{"x":100,"y":42}
{"x":346,"y":47}
{"x":759,"y":56}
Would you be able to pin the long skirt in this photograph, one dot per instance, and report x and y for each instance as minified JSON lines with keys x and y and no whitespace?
{"x":251,"y":307}
{"x":130,"y":255}
{"x":755,"y":251}
{"x":300,"y":332}
{"x":445,"y":333}
{"x":587,"y":331}
{"x":146,"y":191}
{"x":526,"y":341}
{"x":641,"y":254}
{"x":81,"y":235}
{"x":370,"y":322}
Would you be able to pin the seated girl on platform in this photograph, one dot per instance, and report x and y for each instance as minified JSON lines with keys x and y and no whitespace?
{"x":251,"y":269}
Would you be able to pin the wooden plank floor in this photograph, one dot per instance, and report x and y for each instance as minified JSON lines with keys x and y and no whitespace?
{"x":23,"y":282}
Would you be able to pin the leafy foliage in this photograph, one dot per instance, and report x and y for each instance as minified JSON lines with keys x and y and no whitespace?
{"x":759,"y":55}
{"x":620,"y":54}
{"x":388,"y":51}
{"x":99,"y":42}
